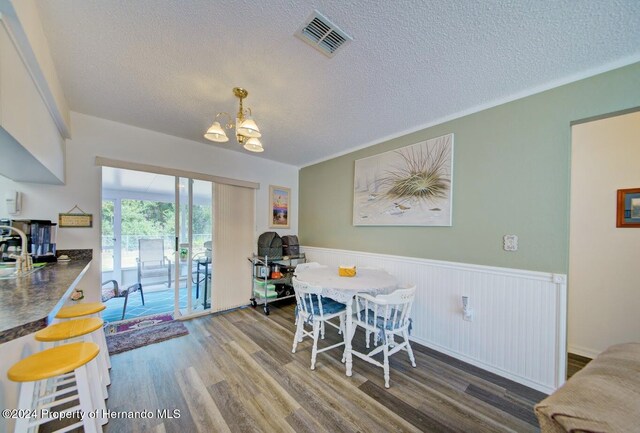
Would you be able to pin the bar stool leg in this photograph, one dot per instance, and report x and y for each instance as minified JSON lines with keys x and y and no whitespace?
{"x":102,"y":366}
{"x":97,"y":395}
{"x":103,"y":347}
{"x":27,"y":395}
{"x":90,"y":423}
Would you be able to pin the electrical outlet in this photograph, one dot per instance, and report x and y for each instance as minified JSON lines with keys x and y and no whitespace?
{"x":510,"y":243}
{"x":467,"y":311}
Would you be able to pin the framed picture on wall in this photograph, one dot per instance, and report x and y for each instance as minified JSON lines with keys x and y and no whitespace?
{"x":279,"y":202}
{"x":410,"y":186}
{"x":628,"y":214}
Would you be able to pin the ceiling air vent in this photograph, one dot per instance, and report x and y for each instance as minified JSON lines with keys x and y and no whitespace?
{"x":322,"y":34}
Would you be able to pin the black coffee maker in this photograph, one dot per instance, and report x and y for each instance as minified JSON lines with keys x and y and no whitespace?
{"x":41,"y":238}
{"x":10,"y":245}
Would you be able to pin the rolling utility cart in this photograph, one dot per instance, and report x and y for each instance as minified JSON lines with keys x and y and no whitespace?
{"x":271,"y":278}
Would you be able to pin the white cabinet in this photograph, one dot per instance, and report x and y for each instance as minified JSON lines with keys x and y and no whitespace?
{"x":30,"y":137}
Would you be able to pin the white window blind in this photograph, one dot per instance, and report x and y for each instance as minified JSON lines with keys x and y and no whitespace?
{"x":234,"y":217}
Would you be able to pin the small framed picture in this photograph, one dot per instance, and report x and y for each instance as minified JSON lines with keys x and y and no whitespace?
{"x":279,"y":202}
{"x":628,"y":214}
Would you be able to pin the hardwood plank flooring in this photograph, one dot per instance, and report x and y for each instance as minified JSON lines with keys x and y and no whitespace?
{"x":235,"y":373}
{"x":575,"y":363}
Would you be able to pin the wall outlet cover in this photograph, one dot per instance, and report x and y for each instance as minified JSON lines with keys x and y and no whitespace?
{"x":510,"y":242}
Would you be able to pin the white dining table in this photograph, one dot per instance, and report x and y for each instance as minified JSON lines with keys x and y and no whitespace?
{"x":343,"y":290}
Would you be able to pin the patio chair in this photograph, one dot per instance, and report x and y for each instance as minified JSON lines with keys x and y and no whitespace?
{"x":385,"y":316}
{"x":199,"y":261}
{"x":151,"y":260}
{"x":316,"y":310}
{"x":115,"y":292}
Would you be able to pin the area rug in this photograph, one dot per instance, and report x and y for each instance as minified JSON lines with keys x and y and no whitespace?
{"x":137,"y":323}
{"x":132,"y":339}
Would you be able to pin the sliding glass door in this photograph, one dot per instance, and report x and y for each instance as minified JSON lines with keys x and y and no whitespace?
{"x":193,"y":267}
{"x":156,"y":231}
{"x":185,"y":237}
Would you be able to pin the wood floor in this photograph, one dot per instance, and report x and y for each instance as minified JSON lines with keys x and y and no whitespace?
{"x":575,"y":363}
{"x":235,"y":372}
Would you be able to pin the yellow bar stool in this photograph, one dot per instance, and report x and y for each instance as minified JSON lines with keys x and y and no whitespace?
{"x":71,"y":366}
{"x":89,"y":330}
{"x":86,"y":309}
{"x":78,"y":310}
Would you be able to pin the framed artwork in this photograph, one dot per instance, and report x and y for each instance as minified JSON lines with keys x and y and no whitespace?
{"x":410,"y":186}
{"x":79,"y":219}
{"x":279,"y":201}
{"x":628,"y":212}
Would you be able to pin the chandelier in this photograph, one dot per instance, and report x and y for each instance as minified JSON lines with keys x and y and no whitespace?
{"x":247,"y":132}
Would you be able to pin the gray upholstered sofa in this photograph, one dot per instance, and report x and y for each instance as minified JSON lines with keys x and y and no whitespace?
{"x":603,"y":397}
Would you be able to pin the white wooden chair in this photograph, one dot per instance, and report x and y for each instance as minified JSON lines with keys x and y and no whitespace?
{"x":302,"y":267}
{"x":385,"y":316}
{"x":315,"y":310}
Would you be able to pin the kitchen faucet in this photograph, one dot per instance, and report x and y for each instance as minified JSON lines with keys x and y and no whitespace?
{"x":24,"y":262}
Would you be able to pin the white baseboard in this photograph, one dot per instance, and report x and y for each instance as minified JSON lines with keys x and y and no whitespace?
{"x":519,"y":379}
{"x":583,"y":351}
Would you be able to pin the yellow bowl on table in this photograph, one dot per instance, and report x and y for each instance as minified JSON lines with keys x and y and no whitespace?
{"x":347,"y":271}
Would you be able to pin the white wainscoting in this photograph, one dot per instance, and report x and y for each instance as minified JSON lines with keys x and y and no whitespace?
{"x":518,"y":329}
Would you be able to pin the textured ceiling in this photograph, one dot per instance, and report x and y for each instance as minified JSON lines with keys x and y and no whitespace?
{"x":170,"y":65}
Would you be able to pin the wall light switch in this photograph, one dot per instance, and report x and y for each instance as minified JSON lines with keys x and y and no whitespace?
{"x":510,"y":242}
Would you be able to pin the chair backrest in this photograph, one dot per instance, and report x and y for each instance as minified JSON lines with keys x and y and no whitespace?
{"x":151,"y":250}
{"x":308,"y":297}
{"x":207,"y":250}
{"x":392,"y":311}
{"x":309,"y":265}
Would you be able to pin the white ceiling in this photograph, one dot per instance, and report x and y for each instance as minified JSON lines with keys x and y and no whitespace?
{"x":148,"y":186}
{"x":170,"y":65}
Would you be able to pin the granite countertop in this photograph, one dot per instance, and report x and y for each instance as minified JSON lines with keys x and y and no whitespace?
{"x":28,"y":303}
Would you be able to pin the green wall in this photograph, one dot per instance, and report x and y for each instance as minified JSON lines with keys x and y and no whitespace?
{"x":511,"y":176}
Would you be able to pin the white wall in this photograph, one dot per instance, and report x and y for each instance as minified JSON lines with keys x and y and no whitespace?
{"x":98,"y":137}
{"x":604,"y":291}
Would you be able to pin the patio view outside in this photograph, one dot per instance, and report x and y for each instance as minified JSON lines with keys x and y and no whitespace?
{"x":142,"y":219}
{"x":147,"y":219}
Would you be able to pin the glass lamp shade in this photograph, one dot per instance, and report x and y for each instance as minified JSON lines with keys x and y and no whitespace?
{"x":216,"y":133}
{"x":248,"y":128}
{"x":253,"y":145}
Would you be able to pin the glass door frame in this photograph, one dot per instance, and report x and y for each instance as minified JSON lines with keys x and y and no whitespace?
{"x":184,"y":240}
{"x":179,"y":246}
{"x":116,"y":269}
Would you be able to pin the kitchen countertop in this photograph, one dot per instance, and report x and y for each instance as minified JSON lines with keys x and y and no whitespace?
{"x":29,"y":303}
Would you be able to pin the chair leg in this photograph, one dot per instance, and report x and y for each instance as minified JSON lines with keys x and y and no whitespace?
{"x":385,"y":350}
{"x":367,"y":338}
{"x":405,"y":335}
{"x":124,"y":309}
{"x":322,"y":330}
{"x":341,"y":330}
{"x":197,"y":281}
{"x":141,"y":294}
{"x":298,"y":336}
{"x":314,"y":351}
